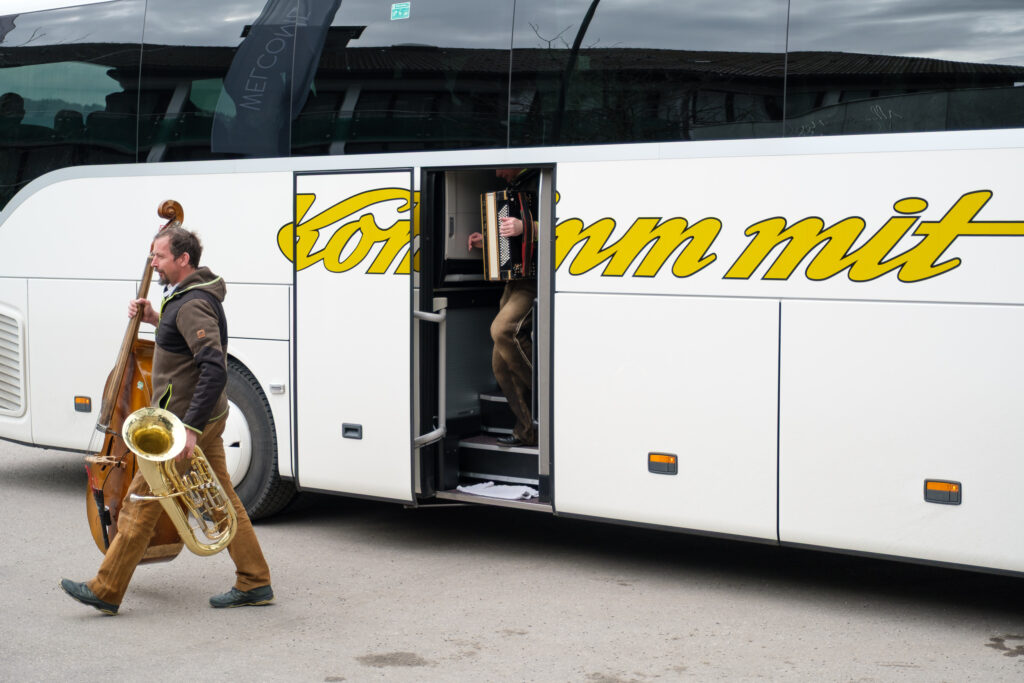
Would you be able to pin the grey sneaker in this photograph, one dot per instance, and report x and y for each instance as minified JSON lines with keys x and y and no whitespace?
{"x":236,"y":598}
{"x":81,"y":592}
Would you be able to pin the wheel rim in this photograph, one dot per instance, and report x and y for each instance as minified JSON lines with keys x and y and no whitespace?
{"x":237,"y":444}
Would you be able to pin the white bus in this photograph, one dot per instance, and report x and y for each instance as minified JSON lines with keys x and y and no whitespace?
{"x":779,"y":292}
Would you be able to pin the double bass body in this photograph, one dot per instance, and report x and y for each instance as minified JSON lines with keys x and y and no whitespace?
{"x":112,"y":467}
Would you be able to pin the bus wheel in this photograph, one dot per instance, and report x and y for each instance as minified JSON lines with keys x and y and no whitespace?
{"x":250,"y":446}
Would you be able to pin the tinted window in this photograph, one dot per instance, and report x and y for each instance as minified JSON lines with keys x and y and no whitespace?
{"x":436,"y":79}
{"x":218,"y":79}
{"x":887,"y":66}
{"x":68,"y":89}
{"x":362,"y":79}
{"x":628,"y":71}
{"x":219,"y":87}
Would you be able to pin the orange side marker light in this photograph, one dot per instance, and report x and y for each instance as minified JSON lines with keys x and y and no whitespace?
{"x":942,"y":491}
{"x":662,"y":463}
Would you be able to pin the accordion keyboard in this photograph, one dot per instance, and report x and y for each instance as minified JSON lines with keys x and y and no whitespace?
{"x":504,"y":250}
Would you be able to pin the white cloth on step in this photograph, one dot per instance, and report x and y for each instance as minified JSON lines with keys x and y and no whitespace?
{"x":492,"y":490}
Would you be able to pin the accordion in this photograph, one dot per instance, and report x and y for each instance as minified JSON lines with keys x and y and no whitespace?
{"x":508,"y":258}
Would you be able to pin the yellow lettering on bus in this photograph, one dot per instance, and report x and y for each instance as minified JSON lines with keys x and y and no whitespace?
{"x":653,"y":241}
{"x":958,"y":222}
{"x":865,"y":263}
{"x":665,"y":237}
{"x":363,"y":230}
{"x":869,"y":261}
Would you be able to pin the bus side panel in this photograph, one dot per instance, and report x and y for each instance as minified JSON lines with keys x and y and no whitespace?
{"x":268,"y":361}
{"x":259,"y":320}
{"x":876,"y":399}
{"x":75,"y":302}
{"x":257,"y":311}
{"x":76,"y":328}
{"x":51,"y":237}
{"x":692,"y":377}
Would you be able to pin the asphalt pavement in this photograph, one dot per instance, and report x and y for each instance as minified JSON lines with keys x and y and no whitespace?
{"x":370,"y":591}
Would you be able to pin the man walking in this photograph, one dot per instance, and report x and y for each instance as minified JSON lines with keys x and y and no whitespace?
{"x":190,"y":380}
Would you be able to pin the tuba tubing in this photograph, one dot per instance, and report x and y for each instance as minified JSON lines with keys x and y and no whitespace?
{"x":194,"y":499}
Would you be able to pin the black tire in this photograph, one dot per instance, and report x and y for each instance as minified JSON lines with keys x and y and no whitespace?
{"x":260,"y":487}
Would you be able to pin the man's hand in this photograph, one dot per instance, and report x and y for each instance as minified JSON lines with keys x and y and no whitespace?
{"x":510,"y":227}
{"x":476,"y":240}
{"x":148,"y":314}
{"x":190,"y":445}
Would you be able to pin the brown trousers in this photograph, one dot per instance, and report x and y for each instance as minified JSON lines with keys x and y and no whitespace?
{"x":511,"y":359}
{"x":137,"y":520}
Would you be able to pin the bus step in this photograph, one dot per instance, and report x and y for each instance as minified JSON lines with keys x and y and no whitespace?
{"x":482,"y":457}
{"x":458,"y":496}
{"x":495,"y":415}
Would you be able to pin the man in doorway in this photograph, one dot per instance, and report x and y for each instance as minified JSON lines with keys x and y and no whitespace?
{"x":511,"y":358}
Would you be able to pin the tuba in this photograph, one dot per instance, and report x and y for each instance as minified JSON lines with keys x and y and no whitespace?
{"x":194,"y":499}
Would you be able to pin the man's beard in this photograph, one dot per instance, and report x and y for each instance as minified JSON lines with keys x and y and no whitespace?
{"x":163,"y":279}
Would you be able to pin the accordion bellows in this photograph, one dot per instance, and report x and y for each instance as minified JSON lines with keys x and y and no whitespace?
{"x":508,"y":258}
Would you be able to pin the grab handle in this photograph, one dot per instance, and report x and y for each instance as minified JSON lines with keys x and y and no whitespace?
{"x":441,"y":319}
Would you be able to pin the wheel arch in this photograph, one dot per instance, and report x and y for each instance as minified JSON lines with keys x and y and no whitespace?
{"x":252,"y":427}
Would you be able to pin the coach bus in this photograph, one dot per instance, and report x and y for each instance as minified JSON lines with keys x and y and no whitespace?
{"x":779,"y":290}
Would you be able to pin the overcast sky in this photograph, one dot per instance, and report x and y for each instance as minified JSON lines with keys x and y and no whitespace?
{"x":961,"y":30}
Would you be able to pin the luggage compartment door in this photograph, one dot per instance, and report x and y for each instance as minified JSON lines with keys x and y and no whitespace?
{"x":694,"y":378}
{"x":665,"y":382}
{"x":353,"y":310}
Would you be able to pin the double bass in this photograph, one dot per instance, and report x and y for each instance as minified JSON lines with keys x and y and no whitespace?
{"x":112,"y":467}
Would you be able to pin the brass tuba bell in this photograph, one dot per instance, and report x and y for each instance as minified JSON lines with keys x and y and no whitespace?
{"x":194,"y":499}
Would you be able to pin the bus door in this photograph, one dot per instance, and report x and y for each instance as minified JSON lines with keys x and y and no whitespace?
{"x":352,"y":313}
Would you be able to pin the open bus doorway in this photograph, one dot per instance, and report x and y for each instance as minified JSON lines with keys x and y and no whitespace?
{"x":457,"y":386}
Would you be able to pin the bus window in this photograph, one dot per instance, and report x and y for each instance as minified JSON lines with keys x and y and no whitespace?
{"x":68,"y":90}
{"x":435,"y":79}
{"x":177,"y":125}
{"x":361,"y":80}
{"x":184,"y":66}
{"x":587,"y":72}
{"x":896,"y":67}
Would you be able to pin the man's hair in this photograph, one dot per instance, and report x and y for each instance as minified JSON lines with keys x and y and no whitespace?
{"x":182,"y":241}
